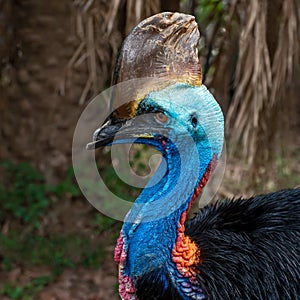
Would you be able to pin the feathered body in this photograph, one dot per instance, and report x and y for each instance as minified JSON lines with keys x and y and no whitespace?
{"x":250,"y":249}
{"x":243,"y":249}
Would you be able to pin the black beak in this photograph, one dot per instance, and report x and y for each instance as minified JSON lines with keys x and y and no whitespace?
{"x":104,"y":135}
{"x":138,"y":130}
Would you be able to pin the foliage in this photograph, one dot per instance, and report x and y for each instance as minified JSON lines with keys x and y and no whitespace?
{"x":140,"y":163}
{"x":210,"y":10}
{"x":117,"y":186}
{"x":102,"y":223}
{"x":16,"y":291}
{"x":25,"y":197}
{"x":66,"y":187}
{"x":24,"y":194}
{"x":56,"y":251}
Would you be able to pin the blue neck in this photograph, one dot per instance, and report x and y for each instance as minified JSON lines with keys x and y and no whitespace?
{"x":150,"y":229}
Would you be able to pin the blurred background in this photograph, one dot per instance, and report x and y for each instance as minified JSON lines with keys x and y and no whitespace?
{"x":55,"y":56}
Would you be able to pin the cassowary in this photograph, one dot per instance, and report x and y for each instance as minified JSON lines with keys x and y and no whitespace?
{"x":243,"y":249}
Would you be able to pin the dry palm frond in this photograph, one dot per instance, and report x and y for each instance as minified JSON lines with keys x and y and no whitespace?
{"x":225,"y":39}
{"x":253,"y":82}
{"x":287,"y":52}
{"x":99,"y":38}
{"x":259,"y":113}
{"x":136,"y":10}
{"x":286,"y":57}
{"x":111,"y":15}
{"x":96,"y":46}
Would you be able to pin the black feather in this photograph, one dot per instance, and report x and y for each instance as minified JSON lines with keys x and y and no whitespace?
{"x":250,"y":248}
{"x":154,"y":286}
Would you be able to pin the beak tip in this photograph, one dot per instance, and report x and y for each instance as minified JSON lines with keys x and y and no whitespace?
{"x":90,"y":146}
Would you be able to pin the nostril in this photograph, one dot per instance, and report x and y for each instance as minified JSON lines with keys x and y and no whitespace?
{"x":194,"y":120}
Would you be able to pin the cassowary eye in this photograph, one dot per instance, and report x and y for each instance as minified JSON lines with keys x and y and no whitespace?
{"x":194,"y":120}
{"x":161,"y":117}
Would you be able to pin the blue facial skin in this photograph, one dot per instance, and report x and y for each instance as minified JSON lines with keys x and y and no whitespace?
{"x":195,"y":134}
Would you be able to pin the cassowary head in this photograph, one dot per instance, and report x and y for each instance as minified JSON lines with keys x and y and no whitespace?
{"x":175,"y":110}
